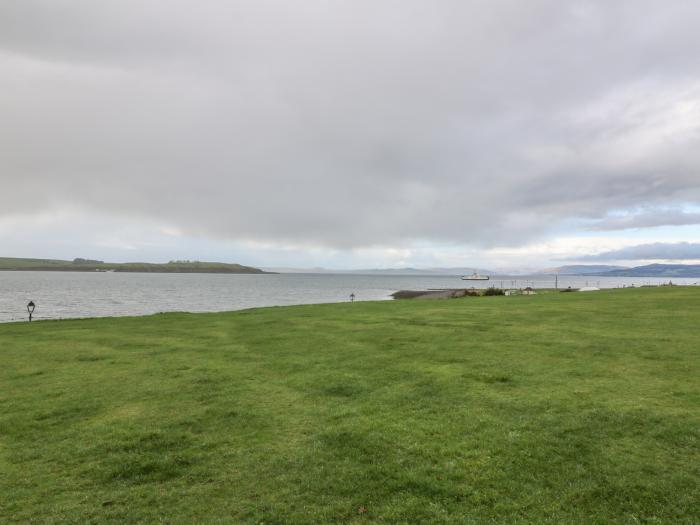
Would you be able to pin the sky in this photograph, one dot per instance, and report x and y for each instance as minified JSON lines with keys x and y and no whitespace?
{"x":351,"y":133}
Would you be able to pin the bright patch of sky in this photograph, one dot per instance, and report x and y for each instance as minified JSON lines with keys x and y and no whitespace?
{"x":75,"y":234}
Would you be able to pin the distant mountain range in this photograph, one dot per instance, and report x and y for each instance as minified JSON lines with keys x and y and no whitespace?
{"x":655,"y":270}
{"x":649,"y":270}
{"x":89,"y":265}
{"x":387,"y":271}
{"x":601,"y":270}
{"x":583,"y":269}
{"x":421,"y":271}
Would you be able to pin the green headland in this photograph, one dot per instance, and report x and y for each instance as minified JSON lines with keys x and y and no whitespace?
{"x":90,"y":265}
{"x":548,"y":409}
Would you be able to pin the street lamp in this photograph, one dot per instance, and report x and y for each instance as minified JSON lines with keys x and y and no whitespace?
{"x":30,"y":309}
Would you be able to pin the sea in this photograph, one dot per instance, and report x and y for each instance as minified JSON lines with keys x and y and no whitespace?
{"x":63,"y":295}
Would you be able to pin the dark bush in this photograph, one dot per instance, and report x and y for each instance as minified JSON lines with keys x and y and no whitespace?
{"x":494,"y":291}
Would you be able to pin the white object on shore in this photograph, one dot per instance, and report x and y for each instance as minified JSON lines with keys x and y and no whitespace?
{"x":589,"y":289}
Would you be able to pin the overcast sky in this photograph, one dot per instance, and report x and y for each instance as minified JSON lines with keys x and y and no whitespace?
{"x":375,"y":133}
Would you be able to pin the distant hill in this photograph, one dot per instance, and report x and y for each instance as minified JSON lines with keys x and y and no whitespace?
{"x":583,"y":269}
{"x":90,"y":265}
{"x":390,"y":271}
{"x":386,"y":271}
{"x":656,"y":270}
{"x":418,"y":271}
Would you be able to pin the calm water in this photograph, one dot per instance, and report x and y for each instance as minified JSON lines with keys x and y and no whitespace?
{"x":66,"y":294}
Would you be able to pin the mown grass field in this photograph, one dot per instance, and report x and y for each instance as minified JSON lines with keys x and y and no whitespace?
{"x":556,"y":408}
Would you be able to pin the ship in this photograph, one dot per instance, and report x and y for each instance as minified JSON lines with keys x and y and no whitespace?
{"x":475,"y":277}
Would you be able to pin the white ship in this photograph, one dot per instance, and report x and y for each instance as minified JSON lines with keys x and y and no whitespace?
{"x":475,"y":277}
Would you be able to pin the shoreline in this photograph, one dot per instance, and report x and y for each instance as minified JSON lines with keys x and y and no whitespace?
{"x":116,"y":270}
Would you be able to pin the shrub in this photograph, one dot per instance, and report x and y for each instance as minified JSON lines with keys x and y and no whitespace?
{"x":494,"y":291}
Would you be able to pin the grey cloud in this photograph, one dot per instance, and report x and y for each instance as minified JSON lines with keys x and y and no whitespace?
{"x":647,"y":252}
{"x":350,"y":123}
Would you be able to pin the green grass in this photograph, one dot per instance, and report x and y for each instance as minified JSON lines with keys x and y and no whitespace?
{"x":556,"y":408}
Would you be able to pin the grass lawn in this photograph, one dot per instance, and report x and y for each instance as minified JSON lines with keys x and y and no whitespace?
{"x":555,"y":408}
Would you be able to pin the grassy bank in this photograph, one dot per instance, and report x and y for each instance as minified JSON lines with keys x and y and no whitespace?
{"x":556,"y":408}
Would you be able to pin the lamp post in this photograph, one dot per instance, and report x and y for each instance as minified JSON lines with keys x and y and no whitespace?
{"x":30,"y":309}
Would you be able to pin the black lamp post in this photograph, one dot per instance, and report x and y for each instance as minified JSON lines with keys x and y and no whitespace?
{"x":30,"y":309}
